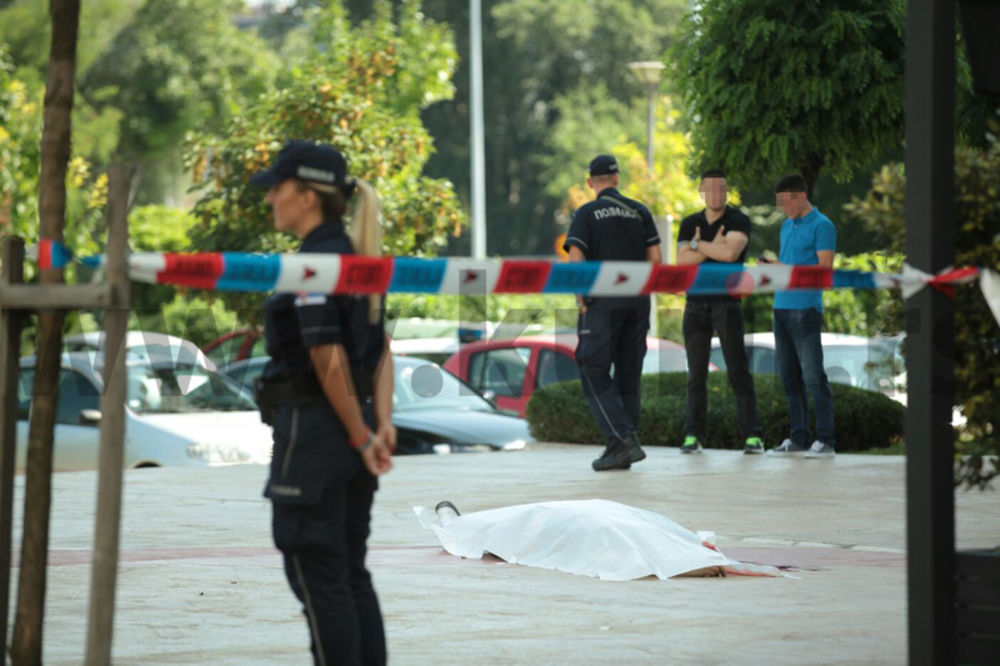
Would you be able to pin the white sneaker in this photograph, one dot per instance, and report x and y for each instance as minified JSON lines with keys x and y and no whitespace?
{"x":788,"y":447}
{"x":819,"y":450}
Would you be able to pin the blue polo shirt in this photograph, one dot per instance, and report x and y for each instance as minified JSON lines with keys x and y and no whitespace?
{"x":801,"y":238}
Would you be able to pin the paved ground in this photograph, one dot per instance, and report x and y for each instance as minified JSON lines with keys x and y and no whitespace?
{"x":199,"y":582}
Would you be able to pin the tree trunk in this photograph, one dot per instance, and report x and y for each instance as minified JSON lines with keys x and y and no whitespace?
{"x":810,"y":171}
{"x":26,"y":646}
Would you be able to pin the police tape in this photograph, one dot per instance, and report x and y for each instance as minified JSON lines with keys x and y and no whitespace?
{"x":354,"y":274}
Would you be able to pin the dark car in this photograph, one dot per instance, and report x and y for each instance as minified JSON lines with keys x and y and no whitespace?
{"x":433,"y":410}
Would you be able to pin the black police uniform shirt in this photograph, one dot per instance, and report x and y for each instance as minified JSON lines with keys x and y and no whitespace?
{"x":732,"y":219}
{"x":612,"y":228}
{"x":295,"y":322}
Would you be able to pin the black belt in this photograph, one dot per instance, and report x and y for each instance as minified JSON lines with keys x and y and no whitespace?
{"x":302,"y":390}
{"x":306,"y":390}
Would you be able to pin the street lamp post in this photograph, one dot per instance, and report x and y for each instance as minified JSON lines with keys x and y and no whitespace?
{"x":478,"y":166}
{"x":648,"y":74}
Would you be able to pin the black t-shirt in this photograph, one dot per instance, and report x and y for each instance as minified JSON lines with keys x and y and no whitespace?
{"x":295,"y":322}
{"x":612,"y":228}
{"x":732,"y":219}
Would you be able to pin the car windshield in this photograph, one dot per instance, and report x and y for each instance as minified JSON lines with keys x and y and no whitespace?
{"x":171,"y":389}
{"x":423,"y":385}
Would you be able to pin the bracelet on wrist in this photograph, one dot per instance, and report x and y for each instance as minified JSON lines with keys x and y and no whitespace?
{"x":364,"y":443}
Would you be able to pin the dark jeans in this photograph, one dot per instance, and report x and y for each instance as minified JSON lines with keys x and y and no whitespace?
{"x":323,"y":541}
{"x":613,"y":332}
{"x":799,"y":359}
{"x":701,"y":320}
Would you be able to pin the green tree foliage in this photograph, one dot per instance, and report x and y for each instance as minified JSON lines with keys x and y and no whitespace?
{"x":977,"y":335}
{"x":25,"y":26}
{"x":355,"y":92}
{"x":667,"y":191}
{"x":176,"y":66}
{"x":800,"y":86}
{"x":20,"y":155}
{"x":544,"y":60}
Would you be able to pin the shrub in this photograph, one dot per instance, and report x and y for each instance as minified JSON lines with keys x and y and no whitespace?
{"x":862,"y":419}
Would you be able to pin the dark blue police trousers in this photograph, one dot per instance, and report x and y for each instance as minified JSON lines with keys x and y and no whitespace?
{"x":323,"y":539}
{"x":612,"y":332}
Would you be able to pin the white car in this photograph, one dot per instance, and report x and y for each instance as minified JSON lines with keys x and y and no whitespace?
{"x":875,"y":364}
{"x":139,"y":343}
{"x":437,"y":350}
{"x":869,"y":363}
{"x":175,"y":413}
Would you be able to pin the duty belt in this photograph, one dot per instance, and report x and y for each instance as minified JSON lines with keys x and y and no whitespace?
{"x":301,"y":390}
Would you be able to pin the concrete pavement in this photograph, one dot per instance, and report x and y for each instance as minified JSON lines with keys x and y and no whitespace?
{"x":200,"y":583}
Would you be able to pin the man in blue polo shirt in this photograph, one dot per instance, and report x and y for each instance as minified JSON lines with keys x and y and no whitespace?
{"x":808,"y":238}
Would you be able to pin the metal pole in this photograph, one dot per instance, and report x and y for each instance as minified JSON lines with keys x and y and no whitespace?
{"x":654,"y":328}
{"x":10,"y":345}
{"x":930,"y":172}
{"x":478,"y":141}
{"x":650,"y":125}
{"x":111,"y":451}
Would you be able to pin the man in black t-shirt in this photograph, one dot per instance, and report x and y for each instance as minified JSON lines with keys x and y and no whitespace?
{"x":612,"y":330}
{"x":719,"y":233}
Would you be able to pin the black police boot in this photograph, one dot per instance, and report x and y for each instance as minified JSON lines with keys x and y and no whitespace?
{"x":620,"y":454}
{"x":634,"y":449}
{"x":610,"y":454}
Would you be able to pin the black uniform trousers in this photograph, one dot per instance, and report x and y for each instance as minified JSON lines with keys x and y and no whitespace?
{"x":701,"y":319}
{"x":613,"y":332}
{"x":322,"y":497}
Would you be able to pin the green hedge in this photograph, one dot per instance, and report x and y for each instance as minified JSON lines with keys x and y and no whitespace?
{"x":862,"y":419}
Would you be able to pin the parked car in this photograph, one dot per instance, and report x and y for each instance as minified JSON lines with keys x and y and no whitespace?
{"x":139,"y":343}
{"x":176,"y":413}
{"x":869,"y":363}
{"x":436,"y":350}
{"x":236,"y":346}
{"x":508,"y":371}
{"x":433,"y":411}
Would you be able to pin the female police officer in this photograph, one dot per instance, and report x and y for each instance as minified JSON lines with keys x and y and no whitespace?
{"x":328,"y":383}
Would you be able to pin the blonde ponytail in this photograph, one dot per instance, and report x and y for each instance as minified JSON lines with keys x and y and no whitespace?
{"x":367,"y":235}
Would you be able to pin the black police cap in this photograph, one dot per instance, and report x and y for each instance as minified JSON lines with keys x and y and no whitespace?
{"x":603,"y":165}
{"x":307,"y":161}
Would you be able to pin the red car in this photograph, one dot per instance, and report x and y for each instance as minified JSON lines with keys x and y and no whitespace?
{"x":236,"y":346}
{"x":508,"y":371}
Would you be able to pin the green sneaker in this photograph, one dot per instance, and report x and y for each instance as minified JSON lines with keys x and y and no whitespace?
{"x":691,"y":445}
{"x":753,"y":445}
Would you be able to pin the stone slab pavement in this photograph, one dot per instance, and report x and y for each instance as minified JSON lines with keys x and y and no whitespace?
{"x":200,"y":583}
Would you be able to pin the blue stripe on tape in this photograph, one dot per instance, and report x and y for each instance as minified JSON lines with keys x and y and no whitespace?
{"x":417,"y":275}
{"x":242,"y":271}
{"x":575,"y":277}
{"x":713,"y":278}
{"x":853,"y":279}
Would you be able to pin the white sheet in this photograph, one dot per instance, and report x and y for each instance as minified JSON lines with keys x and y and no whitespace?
{"x":593,"y":537}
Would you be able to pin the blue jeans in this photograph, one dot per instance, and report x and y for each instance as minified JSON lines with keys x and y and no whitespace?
{"x":799,"y":357}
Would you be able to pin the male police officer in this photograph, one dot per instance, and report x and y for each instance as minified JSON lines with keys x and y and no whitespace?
{"x":612,"y":330}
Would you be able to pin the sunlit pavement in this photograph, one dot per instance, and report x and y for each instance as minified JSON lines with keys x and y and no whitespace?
{"x":200,"y":583}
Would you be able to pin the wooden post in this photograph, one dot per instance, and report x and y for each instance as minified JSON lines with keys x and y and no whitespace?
{"x":111,"y":454}
{"x":10,"y":350}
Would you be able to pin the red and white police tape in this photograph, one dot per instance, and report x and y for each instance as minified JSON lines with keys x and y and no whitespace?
{"x":354,"y":274}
